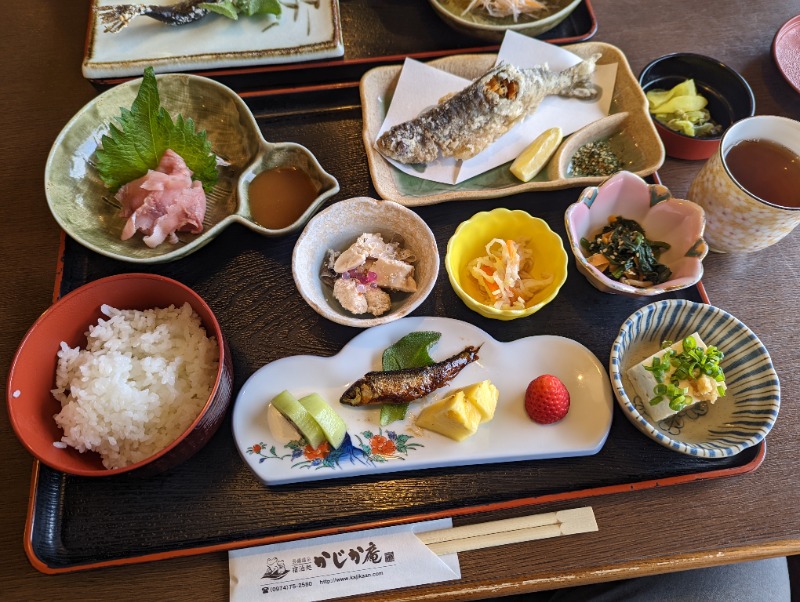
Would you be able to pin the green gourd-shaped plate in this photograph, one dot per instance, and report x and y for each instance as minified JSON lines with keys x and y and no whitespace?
{"x":87,"y":210}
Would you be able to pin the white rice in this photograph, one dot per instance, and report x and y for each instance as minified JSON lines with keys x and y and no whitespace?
{"x":141,"y":381}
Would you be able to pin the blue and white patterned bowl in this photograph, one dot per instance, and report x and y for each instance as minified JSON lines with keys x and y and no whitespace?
{"x":735,"y":422}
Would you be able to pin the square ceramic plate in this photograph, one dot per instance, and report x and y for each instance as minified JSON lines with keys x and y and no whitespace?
{"x":633,"y":135}
{"x":309,"y":31}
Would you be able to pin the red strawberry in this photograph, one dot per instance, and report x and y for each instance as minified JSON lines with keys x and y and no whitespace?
{"x":546,"y":399}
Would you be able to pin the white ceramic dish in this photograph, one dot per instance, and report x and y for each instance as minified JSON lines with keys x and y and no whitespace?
{"x":337,"y":227}
{"x":309,"y":32}
{"x":270,"y":446}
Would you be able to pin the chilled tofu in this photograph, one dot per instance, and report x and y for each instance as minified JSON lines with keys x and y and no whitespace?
{"x":452,"y":417}
{"x":704,"y":388}
{"x":483,"y":397}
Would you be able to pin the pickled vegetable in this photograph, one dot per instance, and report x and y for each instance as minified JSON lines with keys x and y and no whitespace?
{"x":299,"y":417}
{"x":683,"y":110}
{"x":326,"y":417}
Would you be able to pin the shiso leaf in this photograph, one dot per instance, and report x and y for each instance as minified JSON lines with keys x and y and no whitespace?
{"x":259,"y":7}
{"x":412,"y":351}
{"x":233,"y":8}
{"x":226,"y":8}
{"x":144,"y":132}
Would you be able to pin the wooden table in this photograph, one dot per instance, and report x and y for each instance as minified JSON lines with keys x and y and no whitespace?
{"x":693,"y":525}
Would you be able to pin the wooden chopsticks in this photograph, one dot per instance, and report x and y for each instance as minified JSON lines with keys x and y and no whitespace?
{"x":511,"y":530}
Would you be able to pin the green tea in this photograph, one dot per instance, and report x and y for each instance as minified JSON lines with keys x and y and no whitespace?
{"x":767,"y":170}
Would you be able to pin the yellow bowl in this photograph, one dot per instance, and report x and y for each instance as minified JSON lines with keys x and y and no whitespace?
{"x":470,"y":239}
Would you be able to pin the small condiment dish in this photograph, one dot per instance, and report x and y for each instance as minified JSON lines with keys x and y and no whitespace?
{"x":677,"y":222}
{"x":629,"y":135}
{"x":337,"y":227}
{"x":469,"y":242}
{"x":277,"y":156}
{"x":736,"y":421}
{"x":87,"y":210}
{"x":729,"y":96}
{"x":31,"y":406}
{"x":494,"y":28}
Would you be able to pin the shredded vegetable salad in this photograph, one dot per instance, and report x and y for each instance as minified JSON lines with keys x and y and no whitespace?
{"x":507,"y":8}
{"x":505,"y":274}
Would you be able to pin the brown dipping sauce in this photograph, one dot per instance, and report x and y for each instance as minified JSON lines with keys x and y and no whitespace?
{"x":279,"y":196}
{"x":767,"y":170}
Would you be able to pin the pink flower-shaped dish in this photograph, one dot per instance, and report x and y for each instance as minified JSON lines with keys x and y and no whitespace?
{"x":663,"y":218}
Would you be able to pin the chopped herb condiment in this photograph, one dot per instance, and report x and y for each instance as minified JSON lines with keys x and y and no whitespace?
{"x":623,"y":252}
{"x":595,"y":159}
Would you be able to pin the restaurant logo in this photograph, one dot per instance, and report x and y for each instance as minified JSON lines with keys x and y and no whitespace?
{"x":275,"y":569}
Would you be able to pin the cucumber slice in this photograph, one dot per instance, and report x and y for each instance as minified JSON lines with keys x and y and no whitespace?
{"x":300,"y":418}
{"x":329,"y":421}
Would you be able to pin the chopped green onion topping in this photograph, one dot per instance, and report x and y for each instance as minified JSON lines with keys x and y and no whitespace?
{"x":691,"y":364}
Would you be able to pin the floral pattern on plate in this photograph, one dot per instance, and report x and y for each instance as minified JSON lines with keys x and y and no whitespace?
{"x":372,"y":448}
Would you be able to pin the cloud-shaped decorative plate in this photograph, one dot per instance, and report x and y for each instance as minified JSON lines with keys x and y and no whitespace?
{"x":87,"y":210}
{"x":274,"y":451}
{"x":740,"y":419}
{"x":663,"y":218}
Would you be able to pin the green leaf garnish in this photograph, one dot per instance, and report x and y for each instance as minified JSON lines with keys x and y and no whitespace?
{"x":412,"y":351}
{"x":393,"y":411}
{"x":226,"y":8}
{"x":144,"y":133}
{"x":248,"y":8}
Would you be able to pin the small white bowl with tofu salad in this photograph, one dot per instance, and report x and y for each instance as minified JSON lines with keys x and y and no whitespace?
{"x":363,"y":262}
{"x":694,"y":378}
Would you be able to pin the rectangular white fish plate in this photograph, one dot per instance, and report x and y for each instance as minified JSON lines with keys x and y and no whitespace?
{"x":310,"y":30}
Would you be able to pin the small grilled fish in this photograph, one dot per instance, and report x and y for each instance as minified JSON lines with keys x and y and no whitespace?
{"x":120,"y":15}
{"x":402,"y":386}
{"x":470,"y":120}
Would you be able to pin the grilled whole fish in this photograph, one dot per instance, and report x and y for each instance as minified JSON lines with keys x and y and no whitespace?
{"x":402,"y":386}
{"x":470,"y":120}
{"x":117,"y":16}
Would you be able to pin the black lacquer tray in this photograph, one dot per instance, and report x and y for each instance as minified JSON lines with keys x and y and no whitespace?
{"x":214,"y":502}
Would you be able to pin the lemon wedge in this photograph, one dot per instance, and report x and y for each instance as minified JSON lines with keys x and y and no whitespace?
{"x":531,"y":161}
